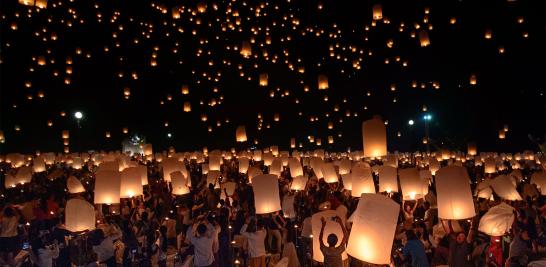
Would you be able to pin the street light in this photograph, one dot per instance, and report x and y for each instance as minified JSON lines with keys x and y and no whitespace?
{"x":79,"y":116}
{"x":427,"y":117}
{"x":410,"y":122}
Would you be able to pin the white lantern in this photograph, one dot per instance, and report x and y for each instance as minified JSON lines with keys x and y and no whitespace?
{"x":410,"y":183}
{"x":374,"y":138}
{"x":377,"y":12}
{"x":331,"y":227}
{"x":490,"y":165}
{"x":107,"y":187}
{"x":454,"y":194}
{"x":171,"y":165}
{"x":373,"y":229}
{"x":539,"y":179}
{"x":266,"y":193}
{"x":108,"y":166}
{"x":288,"y":208}
{"x":143,"y":174}
{"x":345,"y":166}
{"x":179,"y":183}
{"x":362,"y":181}
{"x":147,"y":148}
{"x":298,"y":183}
{"x":79,"y":215}
{"x":74,"y":185}
{"x":276,"y":167}
{"x":24,"y":175}
{"x":433,"y":166}
{"x":503,"y":186}
{"x":388,"y":179}
{"x":243,"y":164}
{"x":329,"y":173}
{"x":316,"y":165}
{"x":38,"y":164}
{"x":295,"y":167}
{"x":131,"y":183}
{"x":497,"y":220}
{"x":240,"y":134}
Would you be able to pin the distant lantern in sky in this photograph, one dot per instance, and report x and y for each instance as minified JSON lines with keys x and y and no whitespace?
{"x":488,"y":34}
{"x":502,"y":134}
{"x":454,"y":194}
{"x":374,"y":225}
{"x":292,"y":142}
{"x":472,"y":150}
{"x":377,"y":12}
{"x":266,"y":193}
{"x":185,"y":90}
{"x":374,"y":138}
{"x":276,"y":117}
{"x":322,"y":82}
{"x":246,"y":49}
{"x":187,"y":106}
{"x":263,"y":79}
{"x":65,"y":134}
{"x":424,"y":39}
{"x":240,"y":134}
{"x":473,"y":79}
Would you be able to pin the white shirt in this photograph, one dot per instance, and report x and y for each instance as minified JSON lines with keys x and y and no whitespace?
{"x":46,"y":256}
{"x":256,"y":244}
{"x":105,"y":249}
{"x":202,"y":247}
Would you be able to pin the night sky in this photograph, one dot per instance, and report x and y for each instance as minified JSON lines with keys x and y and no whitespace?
{"x":87,"y":55}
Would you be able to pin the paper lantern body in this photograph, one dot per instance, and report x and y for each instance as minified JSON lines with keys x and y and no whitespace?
{"x":107,"y":187}
{"x":377,"y":12}
{"x":316,"y":165}
{"x":74,"y":185}
{"x":329,"y":173}
{"x":388,"y":179}
{"x":240,"y":134}
{"x":373,"y":229}
{"x":143,"y":174}
{"x":79,"y":215}
{"x":214,"y":162}
{"x":539,"y":179}
{"x":472,"y":150}
{"x":423,"y":38}
{"x":490,"y":165}
{"x":243,"y":164}
{"x":298,"y":183}
{"x":410,"y":183}
{"x":374,"y":138}
{"x":497,"y":220}
{"x":503,"y":186}
{"x":295,"y":167}
{"x":288,"y":206}
{"x":347,"y":181}
{"x":266,"y":193}
{"x":147,"y":149}
{"x":24,"y":175}
{"x":454,"y":194}
{"x":322,"y":82}
{"x":263,"y":79}
{"x":331,"y":227}
{"x":253,"y":172}
{"x":171,"y":165}
{"x":38,"y":164}
{"x":131,"y":183}
{"x":345,"y":166}
{"x":179,"y":183}
{"x":362,"y":181}
{"x":276,"y":167}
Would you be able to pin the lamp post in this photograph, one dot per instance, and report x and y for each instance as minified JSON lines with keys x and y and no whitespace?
{"x":427,"y":118}
{"x":78,"y":115}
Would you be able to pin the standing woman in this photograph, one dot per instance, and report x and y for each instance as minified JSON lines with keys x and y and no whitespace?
{"x":8,"y":234}
{"x":161,"y":246}
{"x":255,"y":233}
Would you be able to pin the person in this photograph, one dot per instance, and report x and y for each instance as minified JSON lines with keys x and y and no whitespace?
{"x":202,"y":244}
{"x":415,"y":249}
{"x":332,"y":253}
{"x":459,"y":245}
{"x":494,"y":255}
{"x":274,"y":231}
{"x":520,"y":249}
{"x":44,"y":254}
{"x":104,"y":248}
{"x":160,"y":246}
{"x":254,"y":231}
{"x":408,"y":211}
{"x":8,"y":234}
{"x":170,"y":224}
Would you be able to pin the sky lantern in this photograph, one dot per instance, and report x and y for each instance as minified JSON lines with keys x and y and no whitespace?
{"x":214,"y":162}
{"x":253,"y":172}
{"x":263,"y":79}
{"x":388,"y":179}
{"x":377,"y":10}
{"x":38,"y":164}
{"x":276,"y":167}
{"x":266,"y":193}
{"x":424,"y":39}
{"x":74,"y":185}
{"x":473,"y":79}
{"x":295,"y":167}
{"x":454,"y":194}
{"x":498,"y":220}
{"x":147,"y":149}
{"x":505,"y":188}
{"x":298,"y":183}
{"x":187,"y":106}
{"x":374,"y":138}
{"x":131,"y":183}
{"x":539,"y":179}
{"x":411,"y":184}
{"x":490,"y":165}
{"x":472,"y":150}
{"x":201,"y":7}
{"x":107,"y":187}
{"x":362,"y":181}
{"x":372,"y":233}
{"x":79,"y":215}
{"x":329,"y":172}
{"x":246,"y":49}
{"x":240,"y":134}
{"x":292,"y":142}
{"x":243,"y":164}
{"x":175,"y":12}
{"x":322,"y":82}
{"x":179,"y":183}
{"x":332,"y":227}
{"x":502,"y":134}
{"x":488,"y":34}
{"x":65,"y":134}
{"x":171,"y":165}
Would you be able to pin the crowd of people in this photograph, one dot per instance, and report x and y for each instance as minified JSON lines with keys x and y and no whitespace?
{"x":211,"y":227}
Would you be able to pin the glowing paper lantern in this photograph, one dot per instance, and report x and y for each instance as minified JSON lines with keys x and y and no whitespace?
{"x":263,"y":79}
{"x":345,"y":166}
{"x":454,"y":195}
{"x":147,"y":148}
{"x":388,"y":181}
{"x":187,"y":106}
{"x":502,"y":134}
{"x":322,"y":82}
{"x":347,"y":181}
{"x":411,"y":184}
{"x":374,"y":138}
{"x":362,"y":181}
{"x":79,"y":215}
{"x":423,"y":38}
{"x":253,"y":172}
{"x":373,"y":229}
{"x":74,"y":185}
{"x":472,"y":149}
{"x":473,"y":79}
{"x":243,"y":164}
{"x":539,"y":179}
{"x":171,"y":165}
{"x":331,"y":227}
{"x":497,"y":220}
{"x":246,"y":49}
{"x":490,"y":165}
{"x":65,"y":134}
{"x":295,"y":167}
{"x":503,"y":186}
{"x":131,"y":183}
{"x":143,"y":174}
{"x":329,"y":173}
{"x":377,"y":12}
{"x":240,"y":134}
{"x":276,"y":167}
{"x":107,"y":187}
{"x":179,"y":183}
{"x":268,"y":158}
{"x":38,"y":164}
{"x":298,"y":183}
{"x":266,"y":193}
{"x":288,"y":208}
